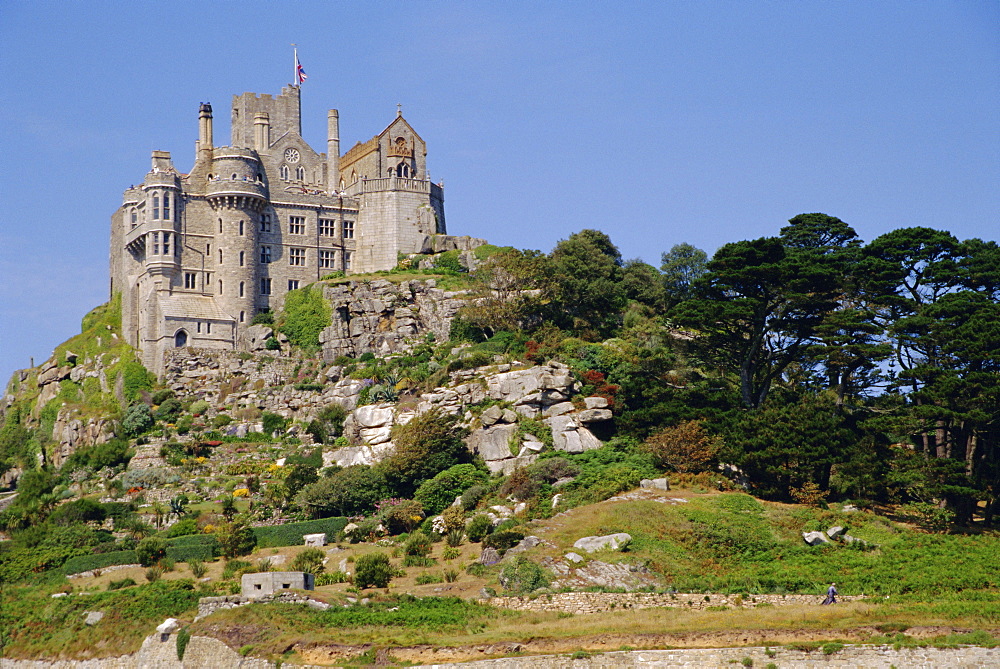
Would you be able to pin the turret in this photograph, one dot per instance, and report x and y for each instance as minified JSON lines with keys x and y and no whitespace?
{"x":205,"y":142}
{"x":333,"y":151}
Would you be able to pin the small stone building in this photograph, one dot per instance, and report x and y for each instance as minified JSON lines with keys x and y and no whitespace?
{"x":270,"y":582}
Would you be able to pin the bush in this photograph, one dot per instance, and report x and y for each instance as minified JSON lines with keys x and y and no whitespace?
{"x":183,"y":527}
{"x":686,"y":447}
{"x":478,"y":528}
{"x":471,"y":497}
{"x":350,"y":492}
{"x":523,"y":576}
{"x":372,"y":570}
{"x":153,"y":574}
{"x":123,"y":583}
{"x":198,"y":568}
{"x":192,"y":552}
{"x":400,"y":517}
{"x":272,"y":423}
{"x":437,"y":493}
{"x":137,"y":420}
{"x":168,"y":410}
{"x":330,"y":578}
{"x":306,"y":313}
{"x":236,"y":539}
{"x":418,"y":544}
{"x":503,"y":539}
{"x":262,"y":318}
{"x":310,"y":561}
{"x":199,"y":407}
{"x":151,"y":550}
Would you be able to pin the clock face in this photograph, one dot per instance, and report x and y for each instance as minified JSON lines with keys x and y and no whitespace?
{"x":292,"y":155}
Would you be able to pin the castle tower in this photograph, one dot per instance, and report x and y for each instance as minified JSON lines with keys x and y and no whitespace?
{"x":237,"y":196}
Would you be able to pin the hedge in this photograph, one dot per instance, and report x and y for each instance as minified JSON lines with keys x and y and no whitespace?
{"x":194,"y":540}
{"x":202,"y":553}
{"x":99,"y":561}
{"x":290,"y":534}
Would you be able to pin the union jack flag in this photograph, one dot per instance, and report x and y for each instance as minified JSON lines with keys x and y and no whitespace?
{"x":300,"y":74}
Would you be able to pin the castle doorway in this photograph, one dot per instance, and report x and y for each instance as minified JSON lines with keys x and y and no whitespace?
{"x":180,"y":339}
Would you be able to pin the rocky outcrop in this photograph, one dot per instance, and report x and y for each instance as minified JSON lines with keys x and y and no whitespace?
{"x":383,"y":318}
{"x":72,"y":433}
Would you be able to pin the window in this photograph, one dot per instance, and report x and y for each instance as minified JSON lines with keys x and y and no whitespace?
{"x":297,"y":257}
{"x":156,"y":243}
{"x":166,"y":243}
{"x":180,"y":339}
{"x":208,"y":327}
{"x":284,"y":172}
{"x":265,"y":286}
{"x":327,"y":226}
{"x":265,"y":223}
{"x":241,"y":228}
{"x":190,"y":283}
{"x":326,"y":259}
{"x":166,"y":206}
{"x":293,"y":284}
{"x":135,"y":218}
{"x":208,"y":280}
{"x":198,"y":327}
{"x":208,"y":249}
{"x":220,"y":286}
{"x":241,"y":289}
{"x":265,"y":254}
{"x":347,"y":260}
{"x":348,"y":229}
{"x":156,"y":207}
{"x":220,"y":256}
{"x":242,"y":313}
{"x":296,"y":225}
{"x":235,"y":176}
{"x":220,"y":226}
{"x":300,"y":173}
{"x":256,"y":586}
{"x":242,"y":257}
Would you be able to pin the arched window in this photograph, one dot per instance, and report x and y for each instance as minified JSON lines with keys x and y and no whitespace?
{"x":241,"y":228}
{"x":220,"y":226}
{"x":220,"y":256}
{"x":241,"y":261}
{"x":156,"y":207}
{"x":241,"y":289}
{"x":180,"y":339}
{"x":166,"y":206}
{"x":284,"y":172}
{"x":234,"y":177}
{"x":220,"y":286}
{"x":300,"y":173}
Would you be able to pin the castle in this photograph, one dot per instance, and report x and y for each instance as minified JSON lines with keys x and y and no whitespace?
{"x":196,"y":255}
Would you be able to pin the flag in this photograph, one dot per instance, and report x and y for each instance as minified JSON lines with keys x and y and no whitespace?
{"x":300,"y":74}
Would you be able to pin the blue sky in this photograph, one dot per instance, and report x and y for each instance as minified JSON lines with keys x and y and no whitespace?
{"x":658,"y":122}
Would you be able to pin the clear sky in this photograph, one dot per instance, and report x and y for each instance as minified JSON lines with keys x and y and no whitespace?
{"x":657,"y":122}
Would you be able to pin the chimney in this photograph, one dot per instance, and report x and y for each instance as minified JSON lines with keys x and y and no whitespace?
{"x":205,"y":143}
{"x":261,"y":132}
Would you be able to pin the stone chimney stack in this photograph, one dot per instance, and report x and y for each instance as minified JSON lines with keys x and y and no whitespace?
{"x":261,"y":132}
{"x":333,"y":151}
{"x":205,"y":142}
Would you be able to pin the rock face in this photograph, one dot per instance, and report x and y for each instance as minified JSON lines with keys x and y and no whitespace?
{"x":612,"y":542}
{"x":382,"y":317}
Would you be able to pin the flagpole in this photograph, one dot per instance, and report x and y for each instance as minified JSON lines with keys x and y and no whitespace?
{"x":295,"y":65}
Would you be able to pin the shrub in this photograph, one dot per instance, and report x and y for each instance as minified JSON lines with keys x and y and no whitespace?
{"x":418,"y":544}
{"x":262,"y":318}
{"x":310,"y":561}
{"x":199,"y":407}
{"x":520,"y":485}
{"x":183,"y":527}
{"x":306,"y":313}
{"x":428,"y":444}
{"x":153,"y":574}
{"x":168,"y":410}
{"x":186,"y":553}
{"x":272,"y":423}
{"x":427,"y":577}
{"x":198,"y":568}
{"x":123,"y":583}
{"x":351,"y":491}
{"x":151,"y":550}
{"x":183,"y":637}
{"x":522,"y":575}
{"x":372,"y":570}
{"x":503,"y":539}
{"x":81,"y":563}
{"x":235,"y":539}
{"x":330,"y":578}
{"x":400,"y":516}
{"x":454,"y":519}
{"x":450,"y":575}
{"x":478,"y":528}
{"x":137,"y":420}
{"x":471,"y":497}
{"x":439,"y":492}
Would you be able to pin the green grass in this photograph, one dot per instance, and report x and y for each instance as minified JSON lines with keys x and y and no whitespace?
{"x":33,"y":624}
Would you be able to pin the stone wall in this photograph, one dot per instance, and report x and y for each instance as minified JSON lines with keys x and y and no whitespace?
{"x":209,"y":605}
{"x":597,"y":602}
{"x":849,"y":657}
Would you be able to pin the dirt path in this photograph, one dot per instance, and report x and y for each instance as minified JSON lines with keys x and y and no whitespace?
{"x":426,"y":654}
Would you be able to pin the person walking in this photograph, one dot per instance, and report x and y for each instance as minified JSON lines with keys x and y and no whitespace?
{"x":831,"y":595}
